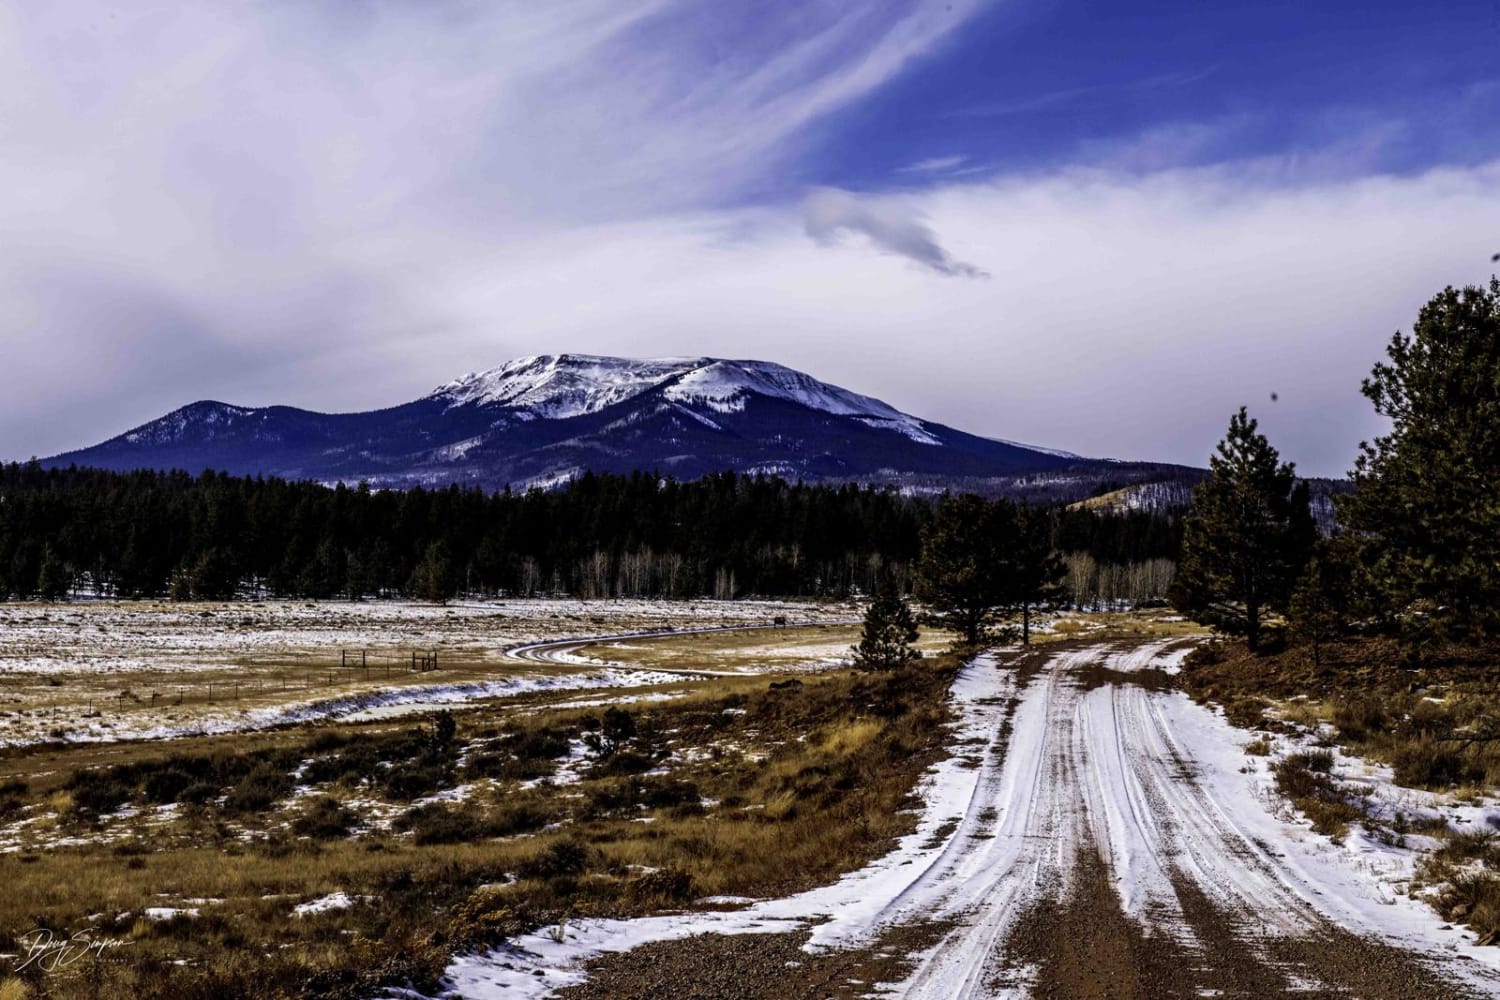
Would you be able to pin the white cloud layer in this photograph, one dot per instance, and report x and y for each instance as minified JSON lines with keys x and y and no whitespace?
{"x":1128,"y":315}
{"x":341,"y":207}
{"x":245,"y":198}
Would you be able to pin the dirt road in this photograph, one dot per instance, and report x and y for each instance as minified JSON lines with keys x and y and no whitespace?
{"x":1095,"y":835}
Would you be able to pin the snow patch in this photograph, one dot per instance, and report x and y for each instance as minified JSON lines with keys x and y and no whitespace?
{"x":325,"y":904}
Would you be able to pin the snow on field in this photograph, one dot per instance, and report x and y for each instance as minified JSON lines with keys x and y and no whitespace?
{"x":1159,"y":785}
{"x":114,"y":637}
{"x":360,"y":707}
{"x":93,"y":671}
{"x":332,"y":901}
{"x":160,"y":913}
{"x":851,"y":908}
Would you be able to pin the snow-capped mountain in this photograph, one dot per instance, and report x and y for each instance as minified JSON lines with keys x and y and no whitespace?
{"x":560,"y":386}
{"x":542,"y":420}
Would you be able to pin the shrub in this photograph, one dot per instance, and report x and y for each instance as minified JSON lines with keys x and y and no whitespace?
{"x":665,"y":887}
{"x":1473,"y":898}
{"x":560,"y":859}
{"x":1304,"y":775}
{"x":608,"y":736}
{"x":487,"y":917}
{"x":1360,"y":718}
{"x":1306,"y":779}
{"x":507,"y":767}
{"x":441,"y":824}
{"x":416,"y":778}
{"x":534,"y":744}
{"x":198,"y":793}
{"x":258,"y":790}
{"x":1469,"y":846}
{"x":325,"y":819}
{"x":649,"y":793}
{"x":166,"y":786}
{"x":1207,"y":654}
{"x":1428,"y":763}
{"x":623,"y":763}
{"x":100,"y":791}
{"x":518,"y":820}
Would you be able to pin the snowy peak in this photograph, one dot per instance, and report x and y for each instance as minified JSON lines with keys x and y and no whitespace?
{"x":538,"y":420}
{"x":559,"y":386}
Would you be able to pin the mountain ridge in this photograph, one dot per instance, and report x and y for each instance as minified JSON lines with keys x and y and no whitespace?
{"x":543,"y":419}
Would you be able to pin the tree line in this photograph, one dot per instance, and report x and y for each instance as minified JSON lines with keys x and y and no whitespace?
{"x":215,"y":536}
{"x":1415,"y":551}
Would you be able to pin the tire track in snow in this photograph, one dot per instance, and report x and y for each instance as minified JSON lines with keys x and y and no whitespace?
{"x":1144,"y":777}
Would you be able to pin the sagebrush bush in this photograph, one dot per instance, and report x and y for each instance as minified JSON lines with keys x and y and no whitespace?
{"x":102,"y":791}
{"x":259,"y":790}
{"x":1306,"y":779}
{"x":557,"y":860}
{"x":1429,"y":763}
{"x":325,"y":818}
{"x":439,"y":823}
{"x":1359,"y":718}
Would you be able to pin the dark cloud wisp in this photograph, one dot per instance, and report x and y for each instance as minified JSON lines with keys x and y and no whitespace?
{"x":828,"y":213}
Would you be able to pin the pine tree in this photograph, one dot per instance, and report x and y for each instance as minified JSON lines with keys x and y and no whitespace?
{"x":1425,"y":502}
{"x":434,"y":579}
{"x":1035,"y":570}
{"x":54,"y":579}
{"x":1318,"y":608}
{"x":213,"y":576}
{"x":960,"y":576}
{"x":889,"y":630}
{"x":1246,"y":536}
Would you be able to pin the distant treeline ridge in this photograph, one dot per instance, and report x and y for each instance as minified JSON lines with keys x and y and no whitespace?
{"x":214,"y":536}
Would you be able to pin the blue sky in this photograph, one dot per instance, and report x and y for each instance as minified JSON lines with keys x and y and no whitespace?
{"x":1398,"y":87}
{"x":1093,"y":226}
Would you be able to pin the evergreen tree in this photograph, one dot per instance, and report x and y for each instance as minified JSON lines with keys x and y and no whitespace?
{"x":1318,"y":608}
{"x":889,"y":630}
{"x":54,"y":579}
{"x":434,"y":579}
{"x":1425,"y":502}
{"x":960,"y":576}
{"x":1246,"y":536}
{"x":1034,"y":567}
{"x":213,"y":576}
{"x":181,"y":588}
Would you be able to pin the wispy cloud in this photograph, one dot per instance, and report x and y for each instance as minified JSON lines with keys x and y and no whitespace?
{"x":342,"y":205}
{"x":891,"y":226}
{"x":277,"y":182}
{"x":1078,"y":95}
{"x":934,"y":165}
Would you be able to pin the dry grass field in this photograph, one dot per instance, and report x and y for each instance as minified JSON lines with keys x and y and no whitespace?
{"x":329,"y":856}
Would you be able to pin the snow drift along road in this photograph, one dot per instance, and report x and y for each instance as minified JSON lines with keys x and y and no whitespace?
{"x":1067,"y":756}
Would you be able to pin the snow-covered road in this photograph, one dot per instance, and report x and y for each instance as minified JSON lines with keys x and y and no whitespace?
{"x":1059,"y":757}
{"x":566,"y":652}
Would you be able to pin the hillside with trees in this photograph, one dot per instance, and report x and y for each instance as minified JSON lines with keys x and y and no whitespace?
{"x":214,"y":536}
